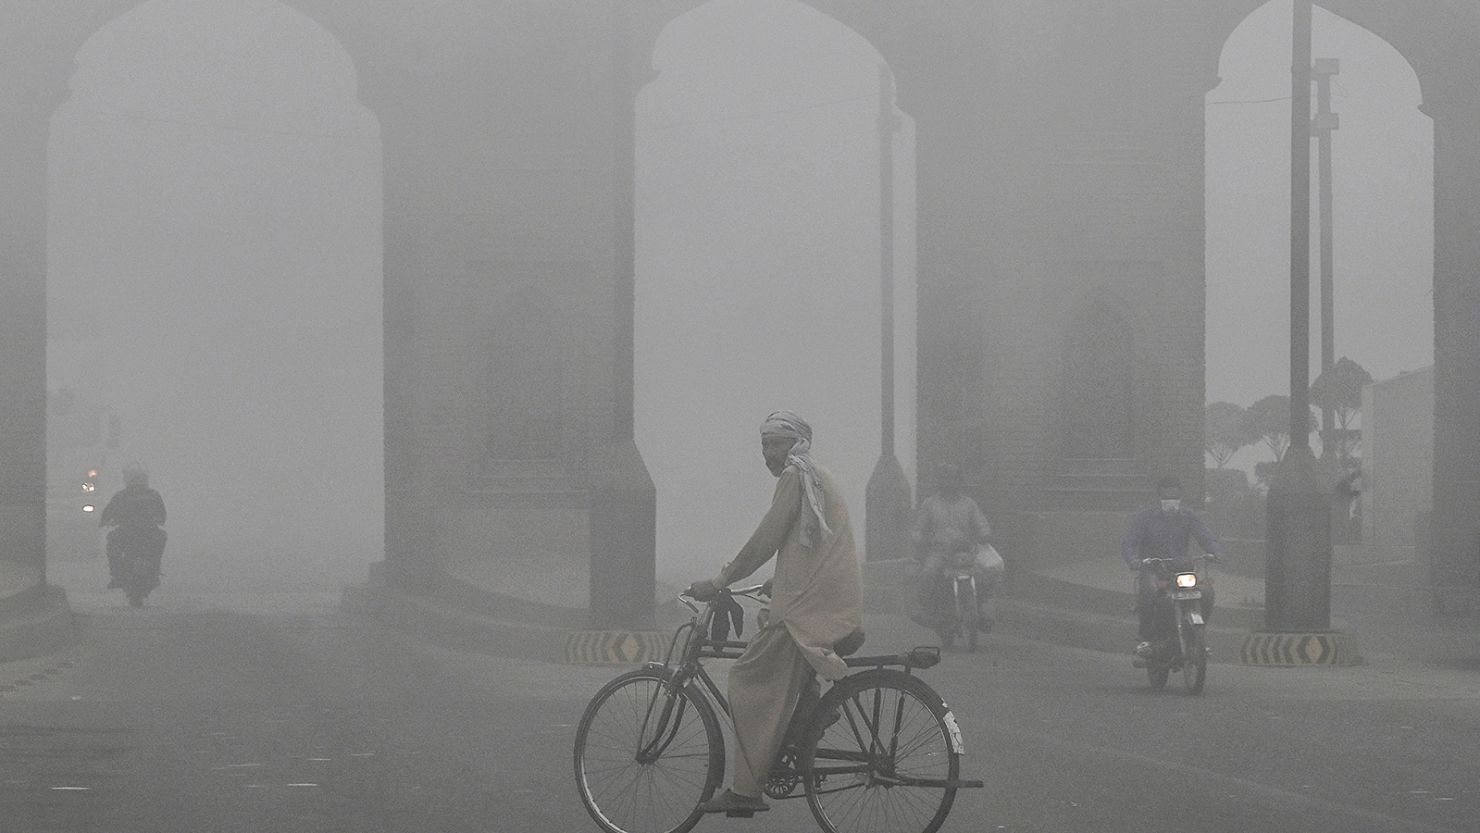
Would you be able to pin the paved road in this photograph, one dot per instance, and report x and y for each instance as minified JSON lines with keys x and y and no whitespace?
{"x":282,"y":714}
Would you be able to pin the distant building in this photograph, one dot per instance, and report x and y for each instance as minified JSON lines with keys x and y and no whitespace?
{"x":1397,"y":457}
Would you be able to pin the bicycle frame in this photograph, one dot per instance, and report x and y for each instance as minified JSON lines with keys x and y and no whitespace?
{"x":697,"y":646}
{"x":877,"y":730}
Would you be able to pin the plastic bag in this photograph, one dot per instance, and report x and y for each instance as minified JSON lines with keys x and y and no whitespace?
{"x":991,"y":560}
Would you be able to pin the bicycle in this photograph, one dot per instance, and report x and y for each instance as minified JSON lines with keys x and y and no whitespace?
{"x":879,"y":751}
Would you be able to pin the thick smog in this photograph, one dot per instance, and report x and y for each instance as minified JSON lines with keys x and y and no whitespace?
{"x":640,"y":416}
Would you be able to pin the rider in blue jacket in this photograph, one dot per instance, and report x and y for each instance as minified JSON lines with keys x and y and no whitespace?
{"x":1163,"y":531}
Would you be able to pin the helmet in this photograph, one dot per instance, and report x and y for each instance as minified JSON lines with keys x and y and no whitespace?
{"x":135,"y":474}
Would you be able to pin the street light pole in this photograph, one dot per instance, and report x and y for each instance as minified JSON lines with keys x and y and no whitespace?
{"x":1300,"y":226}
{"x":1323,"y":125}
{"x":1297,"y":595}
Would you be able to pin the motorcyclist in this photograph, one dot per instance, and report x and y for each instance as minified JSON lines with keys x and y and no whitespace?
{"x":1163,"y":531}
{"x":949,"y":531}
{"x":136,"y":513}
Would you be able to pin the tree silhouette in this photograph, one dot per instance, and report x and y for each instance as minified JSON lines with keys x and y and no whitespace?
{"x":1270,"y":420}
{"x":1226,"y":429}
{"x":1340,"y":389}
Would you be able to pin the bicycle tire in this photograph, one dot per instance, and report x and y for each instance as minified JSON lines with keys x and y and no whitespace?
{"x":625,"y":795}
{"x":890,"y":725}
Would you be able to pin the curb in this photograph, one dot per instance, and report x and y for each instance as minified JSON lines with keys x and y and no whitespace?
{"x":616,"y":647}
{"x":1098,"y":620}
{"x":1295,"y":650}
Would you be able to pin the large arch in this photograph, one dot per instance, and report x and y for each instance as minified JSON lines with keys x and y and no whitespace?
{"x":758,"y":255}
{"x":1438,"y":44}
{"x":1383,"y":217}
{"x":190,"y":190}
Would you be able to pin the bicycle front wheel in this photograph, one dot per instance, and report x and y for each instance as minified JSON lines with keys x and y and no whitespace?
{"x":883,"y":755}
{"x":646,"y":754}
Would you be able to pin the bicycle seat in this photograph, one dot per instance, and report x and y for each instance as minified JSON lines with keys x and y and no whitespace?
{"x":849,"y":644}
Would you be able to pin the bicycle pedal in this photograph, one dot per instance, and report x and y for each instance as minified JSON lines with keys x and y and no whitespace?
{"x":739,"y":814}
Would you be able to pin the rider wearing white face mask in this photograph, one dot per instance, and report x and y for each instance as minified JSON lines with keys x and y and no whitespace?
{"x":1164,"y":531}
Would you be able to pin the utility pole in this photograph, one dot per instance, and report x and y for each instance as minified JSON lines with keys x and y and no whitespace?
{"x":887,"y":502}
{"x":1324,"y":124}
{"x":1297,"y":595}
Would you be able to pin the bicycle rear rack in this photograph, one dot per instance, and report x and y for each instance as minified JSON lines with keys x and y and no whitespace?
{"x":926,"y":656}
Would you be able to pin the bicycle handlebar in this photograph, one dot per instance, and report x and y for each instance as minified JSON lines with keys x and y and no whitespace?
{"x":753,"y":592}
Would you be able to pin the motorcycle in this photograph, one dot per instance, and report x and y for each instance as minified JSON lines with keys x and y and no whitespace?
{"x":964,"y":597}
{"x":140,"y":550}
{"x":1183,"y":644}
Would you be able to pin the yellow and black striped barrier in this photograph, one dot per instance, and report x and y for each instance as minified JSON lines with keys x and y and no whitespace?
{"x":1291,"y":650}
{"x":616,"y":647}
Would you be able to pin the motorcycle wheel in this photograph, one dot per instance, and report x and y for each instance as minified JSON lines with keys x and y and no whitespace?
{"x":1194,"y":658}
{"x":967,"y":614}
{"x":138,"y":582}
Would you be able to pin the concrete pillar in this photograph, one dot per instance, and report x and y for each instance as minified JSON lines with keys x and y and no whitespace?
{"x":29,"y":93}
{"x":624,"y":504}
{"x":887,"y":500}
{"x":1455,"y":556}
{"x":1297,"y":594}
{"x":391,"y":83}
{"x":954,"y":217}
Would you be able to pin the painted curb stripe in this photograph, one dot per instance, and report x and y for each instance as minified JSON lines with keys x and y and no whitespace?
{"x":615,"y":647}
{"x":1298,"y":649}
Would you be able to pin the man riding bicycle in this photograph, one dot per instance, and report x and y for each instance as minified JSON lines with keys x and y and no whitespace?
{"x":816,"y":600}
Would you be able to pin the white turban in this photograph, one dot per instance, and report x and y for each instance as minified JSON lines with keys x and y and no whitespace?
{"x":788,"y":424}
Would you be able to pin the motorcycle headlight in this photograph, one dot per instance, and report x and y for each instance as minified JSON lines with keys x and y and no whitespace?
{"x":1185,"y":580}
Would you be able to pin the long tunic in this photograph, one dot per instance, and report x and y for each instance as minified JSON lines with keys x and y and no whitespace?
{"x":816,"y":598}
{"x":817,"y":594}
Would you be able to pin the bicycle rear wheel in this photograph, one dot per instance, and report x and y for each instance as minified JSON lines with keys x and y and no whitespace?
{"x":888,"y":763}
{"x":646,"y":755}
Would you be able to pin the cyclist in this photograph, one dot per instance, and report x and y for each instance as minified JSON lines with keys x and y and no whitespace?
{"x":816,"y":599}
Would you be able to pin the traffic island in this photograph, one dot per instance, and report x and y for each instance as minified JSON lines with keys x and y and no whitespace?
{"x":1285,"y":649}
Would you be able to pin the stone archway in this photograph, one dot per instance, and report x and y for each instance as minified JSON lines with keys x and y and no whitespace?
{"x":215,"y":273}
{"x":1438,"y":44}
{"x":758,"y":258}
